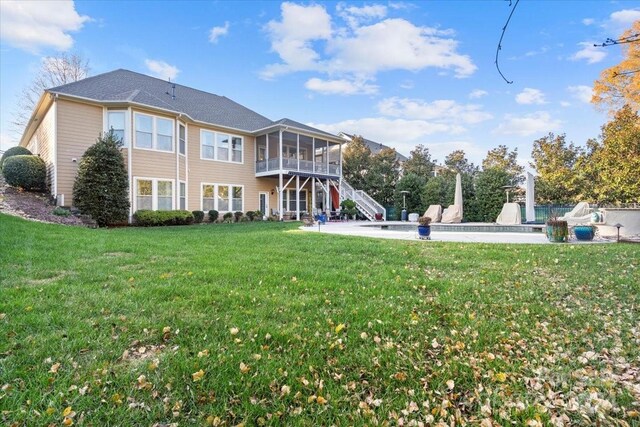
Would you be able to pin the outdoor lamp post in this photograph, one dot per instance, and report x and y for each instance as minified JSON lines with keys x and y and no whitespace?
{"x":403,"y":215}
{"x":506,"y":189}
{"x":618,"y":226}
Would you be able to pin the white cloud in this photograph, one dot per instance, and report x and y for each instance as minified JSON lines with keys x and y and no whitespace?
{"x":582,"y":93}
{"x":590,"y":53}
{"x":399,"y":133}
{"x":565,"y":104}
{"x":216,"y":32}
{"x":527,"y":125}
{"x":161,"y":69}
{"x":340,"y":87}
{"x":478,"y":93}
{"x":625,"y":17}
{"x":396,"y":44}
{"x":306,"y":39}
{"x":530,"y":96}
{"x":32,"y":25}
{"x":440,"y":111}
{"x":588,"y":21}
{"x":354,"y":16}
{"x":292,"y":37}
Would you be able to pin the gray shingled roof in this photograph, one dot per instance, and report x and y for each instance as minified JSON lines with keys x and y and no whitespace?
{"x":293,"y":123}
{"x":128,"y":86}
{"x":376,"y":147}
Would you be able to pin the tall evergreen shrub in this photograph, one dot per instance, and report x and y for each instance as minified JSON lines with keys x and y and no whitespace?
{"x":101,"y":186}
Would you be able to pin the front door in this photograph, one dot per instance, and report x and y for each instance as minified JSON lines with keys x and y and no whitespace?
{"x":264,"y":203}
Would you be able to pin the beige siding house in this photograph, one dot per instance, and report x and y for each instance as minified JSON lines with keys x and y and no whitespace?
{"x":188,"y":149}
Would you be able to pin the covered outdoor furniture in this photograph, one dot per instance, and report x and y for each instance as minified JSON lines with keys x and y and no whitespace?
{"x":580,"y":214}
{"x":452,"y":215}
{"x":413,"y":217}
{"x":510,"y":214}
{"x":434,"y":212}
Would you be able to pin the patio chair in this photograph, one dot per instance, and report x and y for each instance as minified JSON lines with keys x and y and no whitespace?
{"x":580,"y":214}
{"x":452,"y":215}
{"x":434,"y":212}
{"x":510,"y":215}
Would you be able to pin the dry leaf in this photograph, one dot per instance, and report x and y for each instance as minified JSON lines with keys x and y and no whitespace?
{"x":339,"y":328}
{"x":197,"y":376}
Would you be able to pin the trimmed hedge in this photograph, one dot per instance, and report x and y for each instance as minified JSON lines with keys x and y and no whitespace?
{"x":14,"y":151}
{"x":198,"y":216}
{"x":147,"y":218}
{"x":213,"y":215}
{"x":26,"y":171}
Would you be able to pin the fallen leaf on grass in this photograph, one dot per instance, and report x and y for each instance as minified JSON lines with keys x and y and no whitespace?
{"x":244,"y":368}
{"x":197,"y":376}
{"x":339,"y":328}
{"x":321,"y":400}
{"x":54,"y":368}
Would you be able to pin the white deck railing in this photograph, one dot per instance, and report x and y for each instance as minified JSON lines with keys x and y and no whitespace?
{"x":364,"y":202}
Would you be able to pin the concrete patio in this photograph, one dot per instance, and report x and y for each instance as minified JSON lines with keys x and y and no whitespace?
{"x":372,"y":229}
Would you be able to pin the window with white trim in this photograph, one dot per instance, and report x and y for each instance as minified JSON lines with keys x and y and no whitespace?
{"x":289,"y":200}
{"x":183,"y":195}
{"x":221,"y":146}
{"x":222,"y":197}
{"x":208,"y":201}
{"x":182,"y":138}
{"x":154,"y":194}
{"x":153,"y":133}
{"x":116,"y":120}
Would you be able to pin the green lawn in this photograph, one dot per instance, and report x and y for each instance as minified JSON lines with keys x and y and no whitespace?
{"x":263,"y":324}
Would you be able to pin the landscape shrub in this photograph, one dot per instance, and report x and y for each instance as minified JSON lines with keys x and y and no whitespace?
{"x":14,"y":151}
{"x":198,"y":216}
{"x":213,"y":215}
{"x":258,"y":215}
{"x":237,"y":215}
{"x":60,"y":211}
{"x":227,"y":217}
{"x":25,"y":171}
{"x":101,"y":188}
{"x":148,"y":218}
{"x":250,"y":215}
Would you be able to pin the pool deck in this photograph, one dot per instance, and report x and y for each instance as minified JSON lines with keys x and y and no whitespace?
{"x":438,"y":234}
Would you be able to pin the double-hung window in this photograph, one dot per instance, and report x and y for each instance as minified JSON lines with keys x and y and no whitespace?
{"x":222,"y":197}
{"x":153,"y":133}
{"x":154,"y":194}
{"x":182,"y":138}
{"x":289,"y":200}
{"x":220,"y":146}
{"x":116,"y":122}
{"x":183,"y":195}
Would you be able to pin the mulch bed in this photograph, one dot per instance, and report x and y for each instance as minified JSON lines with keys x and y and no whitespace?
{"x":33,"y":206}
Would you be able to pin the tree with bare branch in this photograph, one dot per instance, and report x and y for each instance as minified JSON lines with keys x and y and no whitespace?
{"x":54,"y":71}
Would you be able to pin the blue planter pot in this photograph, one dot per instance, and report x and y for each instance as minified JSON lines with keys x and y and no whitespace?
{"x":424,"y":232}
{"x":584,"y":232}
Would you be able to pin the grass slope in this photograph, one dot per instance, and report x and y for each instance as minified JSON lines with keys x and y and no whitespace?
{"x":262,"y":324}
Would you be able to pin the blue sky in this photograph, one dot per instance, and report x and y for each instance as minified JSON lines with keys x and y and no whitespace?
{"x":401,"y":73}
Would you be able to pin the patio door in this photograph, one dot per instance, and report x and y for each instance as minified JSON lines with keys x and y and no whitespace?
{"x":263,"y":203}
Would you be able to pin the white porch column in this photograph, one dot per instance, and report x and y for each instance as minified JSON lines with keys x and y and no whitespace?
{"x":280,"y":151}
{"x":313,"y":196}
{"x":280,"y":213}
{"x":328,"y":197}
{"x":298,"y":197}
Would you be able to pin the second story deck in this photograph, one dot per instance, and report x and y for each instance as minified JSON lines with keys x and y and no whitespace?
{"x":288,"y":152}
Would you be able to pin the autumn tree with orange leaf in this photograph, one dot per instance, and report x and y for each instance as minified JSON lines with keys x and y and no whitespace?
{"x":620,"y":84}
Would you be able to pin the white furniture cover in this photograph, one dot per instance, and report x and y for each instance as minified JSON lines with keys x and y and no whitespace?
{"x":452,"y":215}
{"x":580,"y":214}
{"x":434,"y":212}
{"x":413,"y":217}
{"x":510,"y":215}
